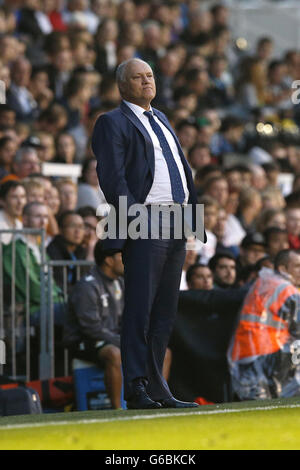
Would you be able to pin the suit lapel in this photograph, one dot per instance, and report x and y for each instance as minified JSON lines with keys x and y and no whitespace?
{"x":137,"y":123}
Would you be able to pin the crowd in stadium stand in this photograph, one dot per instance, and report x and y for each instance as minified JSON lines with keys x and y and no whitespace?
{"x":231,"y":108}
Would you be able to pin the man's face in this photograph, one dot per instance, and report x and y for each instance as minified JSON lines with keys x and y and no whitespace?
{"x":276,"y":243}
{"x":73,"y":229}
{"x":139,"y":85}
{"x":15,"y":201}
{"x":29,"y":164}
{"x":37,"y":218}
{"x":68,"y":197}
{"x":293,"y":268}
{"x":225,"y":272}
{"x":219,"y":191}
{"x":293,"y":222}
{"x":202,"y":278}
{"x":118,"y":267}
{"x":252,"y":253}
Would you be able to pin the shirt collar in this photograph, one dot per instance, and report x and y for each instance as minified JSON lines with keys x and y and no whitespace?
{"x":138,"y":110}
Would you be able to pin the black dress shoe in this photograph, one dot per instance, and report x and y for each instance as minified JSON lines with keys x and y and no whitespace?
{"x":139,"y":399}
{"x":173,"y":403}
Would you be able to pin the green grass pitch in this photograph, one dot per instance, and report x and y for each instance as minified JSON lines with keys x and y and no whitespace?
{"x":261,"y":425}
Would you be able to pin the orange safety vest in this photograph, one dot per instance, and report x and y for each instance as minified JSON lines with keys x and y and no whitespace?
{"x":261,"y":330}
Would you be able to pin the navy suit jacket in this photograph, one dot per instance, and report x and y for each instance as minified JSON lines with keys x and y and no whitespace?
{"x":125,"y":160}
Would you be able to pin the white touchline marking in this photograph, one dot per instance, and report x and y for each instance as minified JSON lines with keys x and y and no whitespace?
{"x":140,"y":417}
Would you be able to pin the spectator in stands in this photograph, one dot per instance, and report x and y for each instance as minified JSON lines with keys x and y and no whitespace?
{"x":260,"y":358}
{"x":8,"y":150}
{"x":53,"y":120}
{"x":106,"y":45}
{"x":13,"y":200}
{"x":199,"y":156}
{"x":89,"y":191}
{"x":186,"y":132}
{"x":271,"y":218}
{"x":68,"y":194}
{"x":251,"y":85}
{"x":223,"y":267}
{"x":90,"y":220}
{"x":20,"y":99}
{"x":35,"y":190}
{"x":272,"y":198}
{"x":46,"y":146}
{"x":67,"y":246}
{"x":249,"y":207}
{"x":199,"y":276}
{"x":92,"y":330}
{"x":276,"y":240}
{"x":27,"y":250}
{"x":38,"y":86}
{"x":211,"y":210}
{"x":190,"y":259}
{"x":26,"y":162}
{"x":293,"y":227}
{"x":229,"y":139}
{"x":65,"y":148}
{"x":217,"y":187}
{"x":252,"y":249}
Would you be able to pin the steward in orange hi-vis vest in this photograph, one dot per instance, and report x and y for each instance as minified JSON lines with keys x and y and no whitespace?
{"x":264,"y":355}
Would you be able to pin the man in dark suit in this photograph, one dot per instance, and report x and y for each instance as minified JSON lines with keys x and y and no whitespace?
{"x":140,"y":157}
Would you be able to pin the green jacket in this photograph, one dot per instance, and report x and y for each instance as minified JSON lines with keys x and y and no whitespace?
{"x":32,"y":266}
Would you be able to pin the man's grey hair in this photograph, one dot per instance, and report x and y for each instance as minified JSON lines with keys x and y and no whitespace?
{"x":23,"y":151}
{"x":121,"y":70}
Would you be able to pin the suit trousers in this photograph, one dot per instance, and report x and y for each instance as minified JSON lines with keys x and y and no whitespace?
{"x":152,"y":275}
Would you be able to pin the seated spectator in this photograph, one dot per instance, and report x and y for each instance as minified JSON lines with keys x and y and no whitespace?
{"x":92,"y":330}
{"x":252,"y":249}
{"x":293,"y":227}
{"x":223,"y":267}
{"x":217,"y":187}
{"x":271,"y":218}
{"x":66,"y":246}
{"x":229,"y":139}
{"x":34,"y":190}
{"x":251,"y":85}
{"x":89,"y":191}
{"x":65,"y":148}
{"x":68,"y":194}
{"x":46,"y":147}
{"x":90,"y":219}
{"x":186,"y":132}
{"x":272,"y":198}
{"x":249,"y":206}
{"x":211,"y":209}
{"x":190,"y":259}
{"x":276,"y":240}
{"x":199,"y":276}
{"x":28,"y":263}
{"x":13,"y":200}
{"x":199,"y":156}
{"x":39,"y":88}
{"x":260,"y":358}
{"x":26,"y":162}
{"x":8,"y":150}
{"x":19,"y":98}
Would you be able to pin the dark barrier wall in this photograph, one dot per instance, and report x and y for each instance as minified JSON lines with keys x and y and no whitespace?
{"x":204,"y":326}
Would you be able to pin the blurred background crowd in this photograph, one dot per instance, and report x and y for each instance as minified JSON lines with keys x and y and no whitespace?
{"x":234,"y":109}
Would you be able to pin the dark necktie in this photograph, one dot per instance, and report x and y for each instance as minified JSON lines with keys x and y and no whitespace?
{"x":175,"y":178}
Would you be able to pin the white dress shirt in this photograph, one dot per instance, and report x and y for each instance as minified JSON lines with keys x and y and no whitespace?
{"x":161,"y":192}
